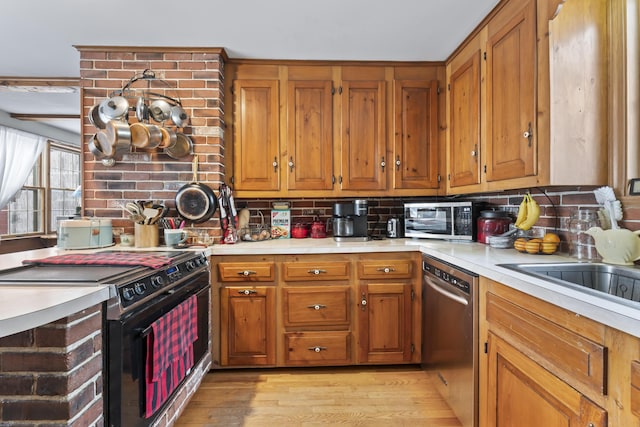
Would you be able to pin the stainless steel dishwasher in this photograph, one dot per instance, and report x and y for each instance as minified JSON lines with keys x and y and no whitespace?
{"x":450,"y":335}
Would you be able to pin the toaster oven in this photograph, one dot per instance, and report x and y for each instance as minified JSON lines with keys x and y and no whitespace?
{"x":441,"y":220}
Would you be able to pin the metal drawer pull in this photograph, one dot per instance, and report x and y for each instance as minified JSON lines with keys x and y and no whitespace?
{"x":247,"y":291}
{"x":316,"y":271}
{"x":317,"y":349}
{"x":317,"y":306}
{"x":386,"y":269}
{"x":246,"y":272}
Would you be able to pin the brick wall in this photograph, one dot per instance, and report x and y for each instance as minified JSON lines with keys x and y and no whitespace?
{"x":193,"y":75}
{"x":52,"y":375}
{"x":556,"y":207}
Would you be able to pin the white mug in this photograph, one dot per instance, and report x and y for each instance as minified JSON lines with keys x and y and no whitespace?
{"x":174,"y":236}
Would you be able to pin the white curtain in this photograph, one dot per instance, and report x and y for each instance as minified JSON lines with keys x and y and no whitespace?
{"x":18,"y":153}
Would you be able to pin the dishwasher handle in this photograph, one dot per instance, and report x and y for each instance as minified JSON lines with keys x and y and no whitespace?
{"x":446,"y":294}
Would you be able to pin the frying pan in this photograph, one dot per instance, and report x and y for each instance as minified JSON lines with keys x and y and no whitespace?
{"x":195,"y":201}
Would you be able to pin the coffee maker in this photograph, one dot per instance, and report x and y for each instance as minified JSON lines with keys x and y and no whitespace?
{"x":350,"y":221}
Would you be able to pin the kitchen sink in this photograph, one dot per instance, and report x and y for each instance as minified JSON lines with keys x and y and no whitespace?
{"x":606,"y":280}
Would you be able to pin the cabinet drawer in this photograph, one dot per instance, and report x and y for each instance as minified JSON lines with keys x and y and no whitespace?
{"x":382,"y":269}
{"x":311,"y":306}
{"x":321,"y":270}
{"x":318,"y":348}
{"x":567,"y":354}
{"x":246,"y":272}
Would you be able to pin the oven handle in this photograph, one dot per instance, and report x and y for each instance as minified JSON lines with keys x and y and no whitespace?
{"x":144,"y":332}
{"x":445,"y":293}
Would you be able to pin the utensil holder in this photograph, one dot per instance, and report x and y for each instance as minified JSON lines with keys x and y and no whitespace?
{"x":146,"y":236}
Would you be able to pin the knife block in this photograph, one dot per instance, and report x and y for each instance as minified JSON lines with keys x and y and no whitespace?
{"x":147,"y":236}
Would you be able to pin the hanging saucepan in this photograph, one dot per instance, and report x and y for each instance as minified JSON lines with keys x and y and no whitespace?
{"x":142,"y":110}
{"x":169,"y":138}
{"x":183,"y":147}
{"x":115,"y":108}
{"x":179,"y":116}
{"x":195,"y":201}
{"x":145,"y":135}
{"x":118,"y":136}
{"x":95,"y":117}
{"x":160,"y":110}
{"x":99,"y":147}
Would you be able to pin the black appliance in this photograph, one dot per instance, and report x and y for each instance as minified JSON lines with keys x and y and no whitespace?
{"x":450,"y":335}
{"x":139,"y":296}
{"x":355,"y":214}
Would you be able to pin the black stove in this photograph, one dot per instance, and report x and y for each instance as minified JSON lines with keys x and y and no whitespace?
{"x":130,"y":285}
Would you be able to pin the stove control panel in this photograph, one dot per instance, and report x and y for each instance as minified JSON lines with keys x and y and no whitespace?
{"x":155,"y":281}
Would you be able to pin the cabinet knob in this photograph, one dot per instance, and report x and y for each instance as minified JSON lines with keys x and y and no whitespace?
{"x":386,"y":269}
{"x":383,"y":163}
{"x":291,"y":164}
{"x":275,"y":164}
{"x":528,"y":134}
{"x":246,"y":273}
{"x":363,"y":302}
{"x":316,"y":271}
{"x":316,"y":306}
{"x":398,"y":163}
{"x":247,"y":291}
{"x":317,"y":349}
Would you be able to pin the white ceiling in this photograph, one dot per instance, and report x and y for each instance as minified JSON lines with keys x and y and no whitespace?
{"x":38,"y":36}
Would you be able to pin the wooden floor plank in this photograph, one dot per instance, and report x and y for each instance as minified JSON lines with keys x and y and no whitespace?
{"x":363,"y":396}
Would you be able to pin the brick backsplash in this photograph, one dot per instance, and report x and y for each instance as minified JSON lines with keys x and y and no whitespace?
{"x":60,"y":384}
{"x":556,"y":207}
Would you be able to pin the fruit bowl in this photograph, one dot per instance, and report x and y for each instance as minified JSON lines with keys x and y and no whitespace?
{"x":546,"y":245}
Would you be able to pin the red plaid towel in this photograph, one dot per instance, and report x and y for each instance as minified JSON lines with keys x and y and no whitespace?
{"x":130,"y":258}
{"x":170,"y":352}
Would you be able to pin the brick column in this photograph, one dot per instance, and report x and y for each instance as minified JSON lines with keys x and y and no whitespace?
{"x":196,"y":77}
{"x":53,"y":374}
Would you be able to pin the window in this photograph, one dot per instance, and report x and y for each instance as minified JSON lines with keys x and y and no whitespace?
{"x":49,"y":194}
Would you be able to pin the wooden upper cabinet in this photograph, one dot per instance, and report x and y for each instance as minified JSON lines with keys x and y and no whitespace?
{"x":511,"y":94}
{"x":415,"y":159}
{"x":363,"y":135}
{"x":310,"y":135}
{"x":464,"y":120}
{"x":256,"y":135}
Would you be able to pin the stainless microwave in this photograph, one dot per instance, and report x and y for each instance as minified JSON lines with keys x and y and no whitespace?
{"x":441,"y":220}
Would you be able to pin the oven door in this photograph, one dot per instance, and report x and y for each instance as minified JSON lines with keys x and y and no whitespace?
{"x":125,"y":344}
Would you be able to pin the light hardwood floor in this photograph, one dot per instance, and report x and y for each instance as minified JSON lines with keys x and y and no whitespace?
{"x":363,"y":396}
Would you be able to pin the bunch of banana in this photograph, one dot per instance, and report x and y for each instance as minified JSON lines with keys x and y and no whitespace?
{"x":528,"y":213}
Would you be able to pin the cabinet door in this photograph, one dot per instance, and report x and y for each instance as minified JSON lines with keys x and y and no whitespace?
{"x":510,"y":101}
{"x":522,"y":393}
{"x":415,"y":160}
{"x":363,"y":135}
{"x":310,"y":135}
{"x":256,"y":135}
{"x":385,"y":323}
{"x":248,"y":319}
{"x":464,"y":122}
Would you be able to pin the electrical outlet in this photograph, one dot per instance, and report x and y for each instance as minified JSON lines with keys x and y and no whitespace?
{"x":117,"y":231}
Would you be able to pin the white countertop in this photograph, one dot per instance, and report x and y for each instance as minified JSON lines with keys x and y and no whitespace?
{"x":26,"y":307}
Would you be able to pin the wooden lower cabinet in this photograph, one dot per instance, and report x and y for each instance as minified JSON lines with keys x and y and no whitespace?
{"x":248,"y":317}
{"x":541,"y":365}
{"x":306,"y":310}
{"x":385,"y":333}
{"x":522,"y":393}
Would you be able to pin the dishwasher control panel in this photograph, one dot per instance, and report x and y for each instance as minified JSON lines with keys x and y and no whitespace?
{"x":449,"y":274}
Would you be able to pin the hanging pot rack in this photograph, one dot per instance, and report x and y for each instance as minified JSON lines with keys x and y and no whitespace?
{"x":149,"y":96}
